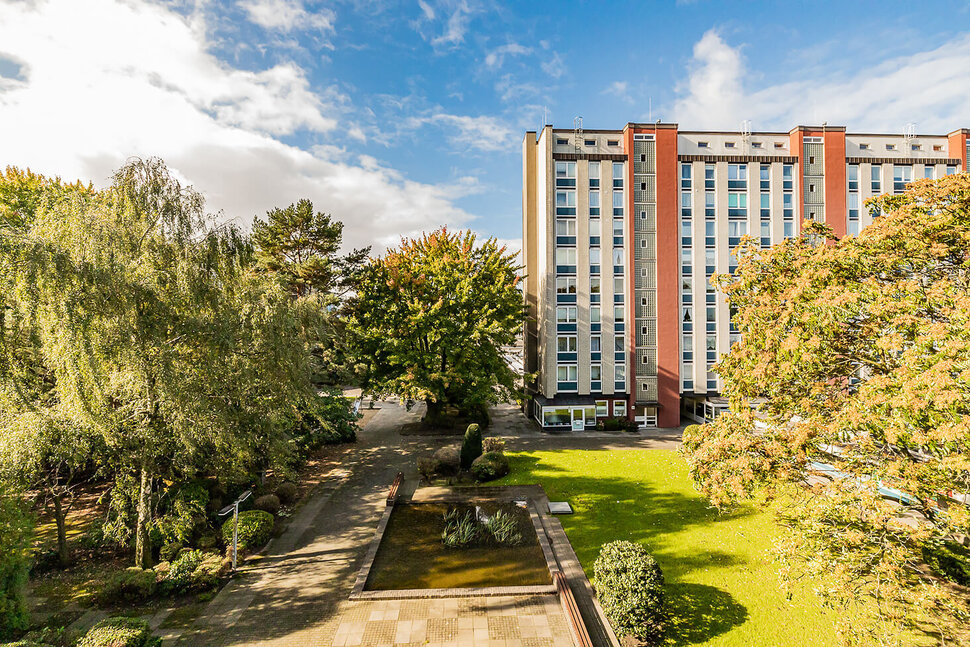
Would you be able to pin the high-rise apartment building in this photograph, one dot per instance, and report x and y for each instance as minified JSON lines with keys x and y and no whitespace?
{"x":623,"y":229}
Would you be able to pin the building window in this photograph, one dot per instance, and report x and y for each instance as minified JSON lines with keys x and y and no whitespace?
{"x":594,"y":203}
{"x":617,"y":175}
{"x":618,"y":203}
{"x":566,"y":256}
{"x":737,"y":200}
{"x":779,"y":144}
{"x":902,"y":175}
{"x":617,"y":256}
{"x":565,"y":203}
{"x":737,"y":228}
{"x":561,"y":141}
{"x":594,"y":255}
{"x":613,"y":142}
{"x":852,"y":174}
{"x":566,"y":314}
{"x":728,"y":144}
{"x":875,"y":178}
{"x":618,"y":313}
{"x":863,"y":147}
{"x":594,"y":314}
{"x":755,"y":144}
{"x":566,"y":171}
{"x":929,"y":172}
{"x":566,"y":344}
{"x":602,"y":408}
{"x":590,"y":142}
{"x":565,"y":227}
{"x":737,"y":175}
{"x":595,"y":373}
{"x":708,"y":176}
{"x":594,"y":285}
{"x":619,"y":406}
{"x":594,"y":175}
{"x":702,"y":144}
{"x":618,"y":345}
{"x":618,"y":286}
{"x":566,"y":373}
{"x":595,"y":344}
{"x":565,"y":285}
{"x":890,"y":147}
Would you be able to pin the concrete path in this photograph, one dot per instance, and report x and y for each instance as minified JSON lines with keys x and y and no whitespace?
{"x":297,"y":592}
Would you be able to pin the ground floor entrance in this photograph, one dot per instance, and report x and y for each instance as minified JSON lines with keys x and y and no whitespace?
{"x":586,"y":415}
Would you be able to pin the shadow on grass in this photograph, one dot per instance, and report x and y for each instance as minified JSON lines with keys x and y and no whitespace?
{"x":699,"y":613}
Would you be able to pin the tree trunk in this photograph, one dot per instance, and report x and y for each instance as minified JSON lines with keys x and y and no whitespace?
{"x":433,"y":415}
{"x":143,"y":548}
{"x":60,"y":517}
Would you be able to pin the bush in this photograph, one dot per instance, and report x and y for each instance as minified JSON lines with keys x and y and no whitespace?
{"x":504,"y":528}
{"x":490,"y":466}
{"x":194,"y":571}
{"x":448,"y":459}
{"x":949,"y":560}
{"x":183,"y":510}
{"x":180,"y":572}
{"x":129,"y":585}
{"x":427,"y":467}
{"x":325,"y":420}
{"x":268,"y":503}
{"x":120,"y":632}
{"x":629,"y":584}
{"x":617,"y":424}
{"x":170,"y":551}
{"x":255,"y":528}
{"x":16,"y":533}
{"x":287,"y":492}
{"x":493,"y":444}
{"x":471,"y":446}
{"x":461,"y":530}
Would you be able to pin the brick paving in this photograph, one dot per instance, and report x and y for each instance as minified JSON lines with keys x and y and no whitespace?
{"x":297,"y":593}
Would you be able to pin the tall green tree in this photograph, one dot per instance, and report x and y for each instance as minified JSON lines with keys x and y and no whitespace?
{"x":431,"y":318}
{"x":300,"y":247}
{"x":16,"y":533}
{"x":856,"y":354}
{"x":158,"y":333}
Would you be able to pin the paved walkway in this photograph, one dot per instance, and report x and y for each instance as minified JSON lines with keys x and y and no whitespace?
{"x":297,"y":594}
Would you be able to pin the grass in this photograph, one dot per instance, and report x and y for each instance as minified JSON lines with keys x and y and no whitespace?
{"x":721,"y":584}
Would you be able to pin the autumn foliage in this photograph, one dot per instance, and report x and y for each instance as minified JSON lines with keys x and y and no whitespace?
{"x":850,"y":396}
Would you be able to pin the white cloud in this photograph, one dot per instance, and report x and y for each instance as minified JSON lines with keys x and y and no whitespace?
{"x":482,"y":133}
{"x":107,"y":79}
{"x":426,"y":9}
{"x":554,"y":66}
{"x":928,"y":88}
{"x":496,"y":57}
{"x":619,"y":89}
{"x":456,"y":27}
{"x":287,"y":15}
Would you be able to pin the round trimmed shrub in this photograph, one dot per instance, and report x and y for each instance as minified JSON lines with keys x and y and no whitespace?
{"x":130,"y":585}
{"x":427,"y":467}
{"x":471,"y":446}
{"x":255,"y":528}
{"x":120,"y":632}
{"x":287,"y":492}
{"x":490,"y":466}
{"x":629,"y":584}
{"x":448,"y":460}
{"x":269,"y":503}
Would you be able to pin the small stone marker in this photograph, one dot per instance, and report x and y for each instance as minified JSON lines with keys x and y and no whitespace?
{"x":560,"y":507}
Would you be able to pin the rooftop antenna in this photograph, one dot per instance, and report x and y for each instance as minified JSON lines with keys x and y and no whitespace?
{"x":909,"y":134}
{"x":578,"y":132}
{"x":745,"y":133}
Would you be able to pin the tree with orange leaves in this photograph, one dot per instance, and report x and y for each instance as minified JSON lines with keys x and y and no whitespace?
{"x":430,"y":320}
{"x":850,"y":398}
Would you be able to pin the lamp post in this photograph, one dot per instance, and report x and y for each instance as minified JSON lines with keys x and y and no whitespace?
{"x":234,"y":509}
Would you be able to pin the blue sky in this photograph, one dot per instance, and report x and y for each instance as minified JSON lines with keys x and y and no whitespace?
{"x":398,"y":117}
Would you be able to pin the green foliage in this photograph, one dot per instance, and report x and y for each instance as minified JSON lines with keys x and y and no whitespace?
{"x":471,"y":446}
{"x":630,"y":587}
{"x":128,"y":586}
{"x":255,"y":529}
{"x":287,"y":492}
{"x":158,"y":335}
{"x":427,"y":467}
{"x":16,"y":534}
{"x":949,"y":560}
{"x":269,"y":503}
{"x":461,"y":530}
{"x":324,"y":419}
{"x":181,"y":570}
{"x":503,"y":528}
{"x":616,"y":424}
{"x":430,"y":320}
{"x":490,"y":466}
{"x":493,"y":444}
{"x":861,"y":343}
{"x":24,"y":193}
{"x":182,"y":511}
{"x":120,"y":632}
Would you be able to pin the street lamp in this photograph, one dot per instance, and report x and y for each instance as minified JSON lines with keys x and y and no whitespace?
{"x":234,"y":509}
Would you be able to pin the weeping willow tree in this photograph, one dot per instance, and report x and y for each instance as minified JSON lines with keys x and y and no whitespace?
{"x":158,"y":333}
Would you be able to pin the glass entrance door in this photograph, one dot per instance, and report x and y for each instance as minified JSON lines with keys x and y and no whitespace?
{"x":578,"y":419}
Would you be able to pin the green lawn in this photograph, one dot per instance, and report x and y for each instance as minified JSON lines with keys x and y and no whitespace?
{"x":722,"y":587}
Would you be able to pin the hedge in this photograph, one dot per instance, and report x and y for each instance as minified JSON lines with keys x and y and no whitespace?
{"x":120,"y":632}
{"x":629,"y":584}
{"x":255,"y":529}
